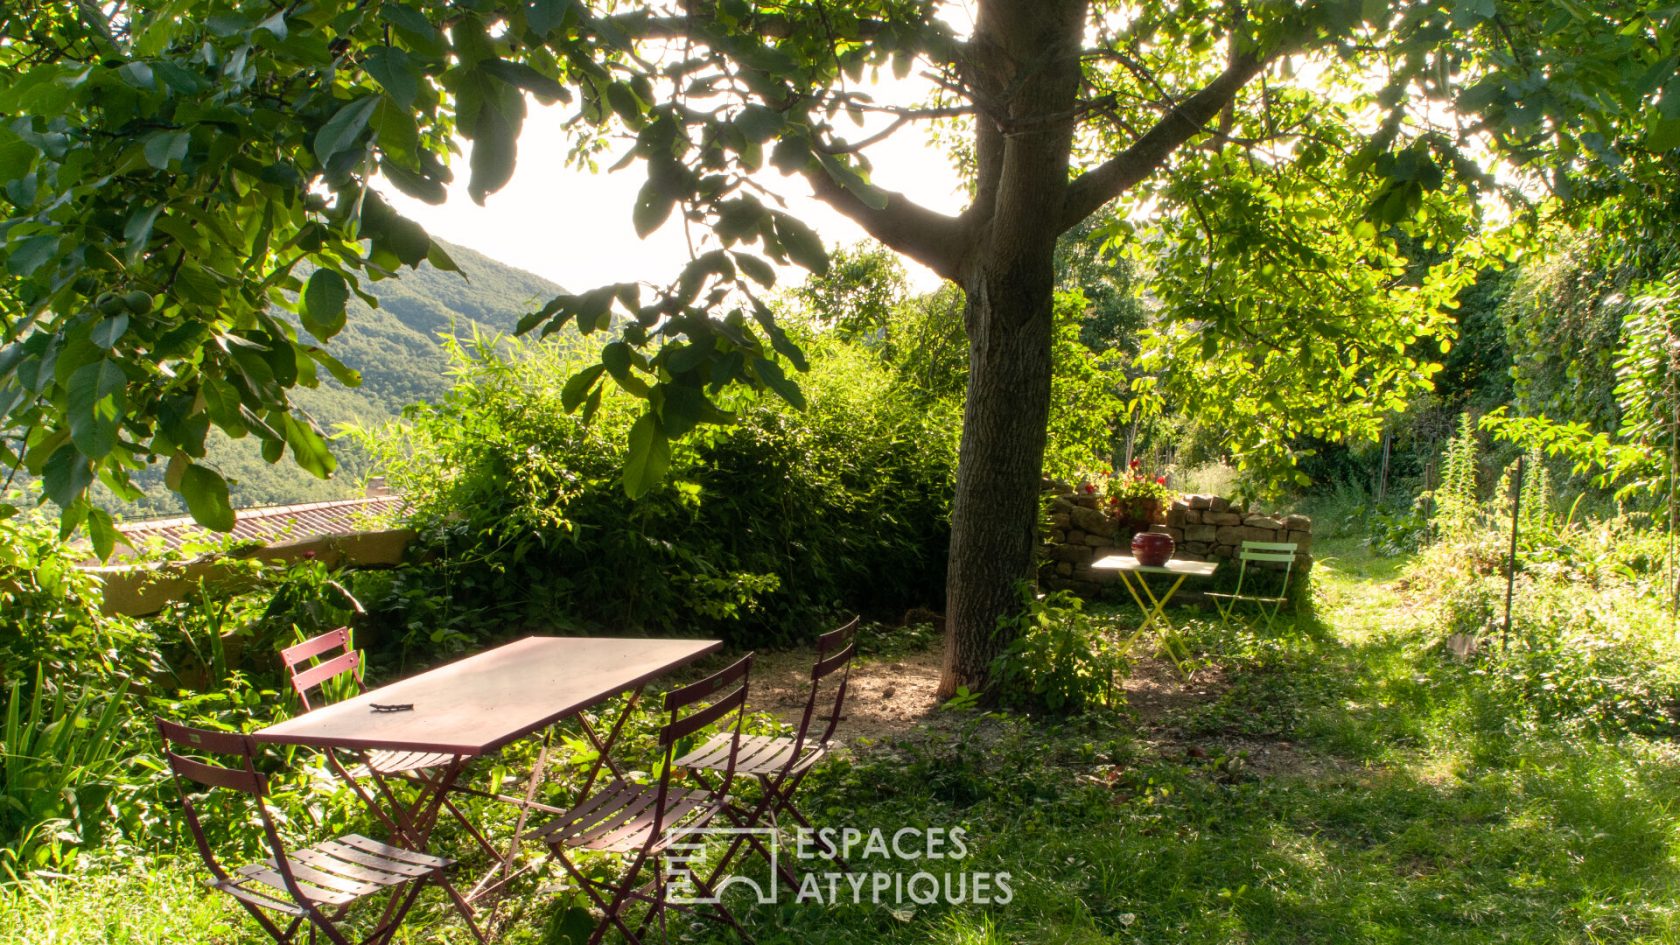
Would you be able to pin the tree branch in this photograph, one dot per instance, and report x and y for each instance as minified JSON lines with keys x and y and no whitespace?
{"x":1089,"y":191}
{"x":932,"y":239}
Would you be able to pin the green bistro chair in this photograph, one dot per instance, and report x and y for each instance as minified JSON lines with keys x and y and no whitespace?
{"x":1259,"y":552}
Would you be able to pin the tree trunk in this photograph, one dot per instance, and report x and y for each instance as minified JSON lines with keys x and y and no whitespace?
{"x":994,"y":523}
{"x":1024,"y":59}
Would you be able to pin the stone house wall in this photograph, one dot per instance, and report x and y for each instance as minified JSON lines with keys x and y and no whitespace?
{"x":1204,"y":528}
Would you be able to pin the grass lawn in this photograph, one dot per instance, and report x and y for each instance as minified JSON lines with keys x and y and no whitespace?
{"x":1335,"y":781}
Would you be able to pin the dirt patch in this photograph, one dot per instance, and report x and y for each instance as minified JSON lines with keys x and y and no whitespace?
{"x":1155,"y":689}
{"x":885,"y":697}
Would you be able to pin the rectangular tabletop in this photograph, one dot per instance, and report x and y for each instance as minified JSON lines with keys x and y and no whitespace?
{"x":1173,"y":566}
{"x":480,"y":703}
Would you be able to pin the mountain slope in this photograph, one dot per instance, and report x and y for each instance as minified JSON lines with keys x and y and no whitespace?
{"x":397,"y":349}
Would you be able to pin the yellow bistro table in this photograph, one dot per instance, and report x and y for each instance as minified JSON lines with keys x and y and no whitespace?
{"x":1152,"y":607}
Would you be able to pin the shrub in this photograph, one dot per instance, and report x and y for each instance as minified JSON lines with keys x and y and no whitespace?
{"x":1060,"y":658}
{"x":763,"y":528}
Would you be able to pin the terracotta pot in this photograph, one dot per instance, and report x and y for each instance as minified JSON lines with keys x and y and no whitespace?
{"x":1152,"y":548}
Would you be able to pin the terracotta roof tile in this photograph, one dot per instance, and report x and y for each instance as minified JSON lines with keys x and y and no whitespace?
{"x":268,"y":524}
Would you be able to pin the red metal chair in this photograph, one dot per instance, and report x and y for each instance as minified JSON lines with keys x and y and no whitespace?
{"x":644,"y":819}
{"x":316,"y":884}
{"x":780,"y":763}
{"x":317,"y":662}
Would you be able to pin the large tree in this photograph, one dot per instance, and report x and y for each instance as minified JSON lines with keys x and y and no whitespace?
{"x":168,"y":165}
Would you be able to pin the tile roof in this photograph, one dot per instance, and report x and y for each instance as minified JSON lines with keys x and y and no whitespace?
{"x":267,"y":524}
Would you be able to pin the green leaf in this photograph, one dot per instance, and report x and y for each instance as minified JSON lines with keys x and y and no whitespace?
{"x":309,"y":448}
{"x":17,"y":156}
{"x":166,"y":147}
{"x":102,"y":532}
{"x":1664,"y":135}
{"x":108,"y":331}
{"x":137,"y":232}
{"x":344,"y":127}
{"x":649,"y":457}
{"x":803,"y":244}
{"x":577,"y":386}
{"x":92,"y":407}
{"x":396,"y":72}
{"x":66,"y":475}
{"x":324,"y":302}
{"x":206,"y":494}
{"x":756,"y":269}
{"x":771,"y":374}
{"x":653,"y":207}
{"x":523,"y":76}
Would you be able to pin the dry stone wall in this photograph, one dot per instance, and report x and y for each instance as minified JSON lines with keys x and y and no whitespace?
{"x":1204,"y":528}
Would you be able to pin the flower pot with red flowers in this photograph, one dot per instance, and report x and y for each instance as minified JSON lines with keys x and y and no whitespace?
{"x":1137,"y":499}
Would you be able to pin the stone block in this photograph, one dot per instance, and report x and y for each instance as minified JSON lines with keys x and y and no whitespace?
{"x":1176,"y":517}
{"x":1097,"y":541}
{"x":1222,"y":518}
{"x":1087,"y":501}
{"x":1302,"y":540}
{"x":1262,"y":521}
{"x":1297,"y":523}
{"x":1202,"y":533}
{"x":1074,"y":554}
{"x":1060,"y":519}
{"x":1064,"y":568}
{"x":1259,"y":533}
{"x":1176,"y":534}
{"x":1062,"y":503}
{"x":1224,"y":551}
{"x":1075,"y":537}
{"x":1200,"y":501}
{"x":1181,"y":504}
{"x":1229,"y":535}
{"x":1218,"y":503}
{"x":1196,"y":547}
{"x":1093,"y":521}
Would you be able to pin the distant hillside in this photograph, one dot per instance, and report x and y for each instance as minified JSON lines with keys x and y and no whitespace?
{"x":396,"y":348}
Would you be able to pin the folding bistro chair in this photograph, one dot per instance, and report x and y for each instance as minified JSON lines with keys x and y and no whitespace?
{"x":780,"y":763}
{"x":639,"y":819}
{"x":315,"y":664}
{"x":315,"y":884}
{"x":1258,"y":552}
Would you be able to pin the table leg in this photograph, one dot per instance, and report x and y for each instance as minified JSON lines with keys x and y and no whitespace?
{"x":505,"y":871}
{"x":1155,"y":612}
{"x":603,"y":749}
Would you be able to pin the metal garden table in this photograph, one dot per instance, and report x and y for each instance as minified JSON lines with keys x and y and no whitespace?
{"x":1132,"y":573}
{"x":483,"y":703}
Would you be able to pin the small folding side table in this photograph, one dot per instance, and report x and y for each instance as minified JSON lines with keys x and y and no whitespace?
{"x":1153,"y":607}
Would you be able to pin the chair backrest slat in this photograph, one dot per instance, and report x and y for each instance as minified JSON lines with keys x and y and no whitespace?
{"x":828,"y":664}
{"x":679,"y":728}
{"x":306,"y":678}
{"x":315,"y":646}
{"x":685,"y":696}
{"x":835,"y":650}
{"x":347,"y":662}
{"x":1269,"y":551}
{"x":215,"y":776}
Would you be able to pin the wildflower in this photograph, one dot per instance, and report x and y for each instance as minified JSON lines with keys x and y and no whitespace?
{"x":1136,"y":463}
{"x":1161,"y":480}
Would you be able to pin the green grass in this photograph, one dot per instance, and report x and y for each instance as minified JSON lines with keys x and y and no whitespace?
{"x":1344,"y":783}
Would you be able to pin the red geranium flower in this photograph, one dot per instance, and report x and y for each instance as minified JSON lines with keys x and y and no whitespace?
{"x":1161,"y":480}
{"x":1136,"y":463}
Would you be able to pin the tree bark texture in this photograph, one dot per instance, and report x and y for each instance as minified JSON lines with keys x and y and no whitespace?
{"x":1026,"y":65}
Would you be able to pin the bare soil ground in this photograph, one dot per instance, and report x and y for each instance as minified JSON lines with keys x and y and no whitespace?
{"x":884,"y":697}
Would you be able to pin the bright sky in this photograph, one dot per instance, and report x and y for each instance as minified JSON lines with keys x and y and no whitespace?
{"x":574,"y":227}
